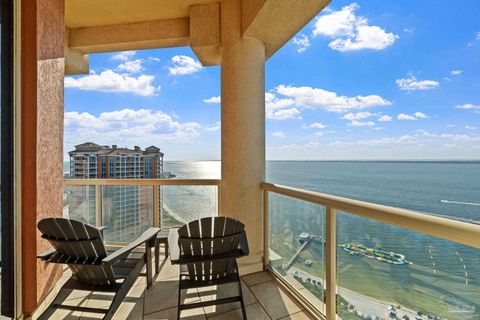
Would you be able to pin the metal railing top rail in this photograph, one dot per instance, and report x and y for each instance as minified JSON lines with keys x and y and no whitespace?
{"x":449,"y":229}
{"x":141,"y":182}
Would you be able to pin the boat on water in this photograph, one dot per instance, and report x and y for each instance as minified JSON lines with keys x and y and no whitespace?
{"x":375,"y":253}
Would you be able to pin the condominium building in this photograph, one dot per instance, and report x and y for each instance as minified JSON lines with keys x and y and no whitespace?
{"x":126,"y":210}
{"x":90,"y":160}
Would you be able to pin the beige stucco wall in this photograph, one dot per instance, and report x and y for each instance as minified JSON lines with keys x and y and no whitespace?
{"x":49,"y":149}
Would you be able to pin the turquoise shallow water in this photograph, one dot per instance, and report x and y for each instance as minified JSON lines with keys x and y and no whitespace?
{"x":444,"y":278}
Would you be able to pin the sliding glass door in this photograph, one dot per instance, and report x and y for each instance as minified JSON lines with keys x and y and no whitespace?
{"x":6,"y":158}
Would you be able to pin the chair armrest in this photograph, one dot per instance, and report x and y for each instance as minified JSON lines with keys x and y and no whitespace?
{"x":234,"y":254}
{"x":102,"y":229}
{"x":45,"y":255}
{"x":173,"y":246}
{"x":146,"y":236}
{"x":243,"y":244}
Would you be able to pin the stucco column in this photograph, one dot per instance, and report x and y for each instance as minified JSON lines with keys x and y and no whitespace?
{"x":42,"y":140}
{"x":243,"y":130}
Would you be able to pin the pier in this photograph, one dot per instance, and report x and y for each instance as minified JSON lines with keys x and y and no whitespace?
{"x":287,"y":265}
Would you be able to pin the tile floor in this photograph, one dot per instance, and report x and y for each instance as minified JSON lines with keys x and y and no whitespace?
{"x":263,"y":300}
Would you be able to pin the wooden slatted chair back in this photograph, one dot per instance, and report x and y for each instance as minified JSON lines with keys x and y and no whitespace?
{"x":208,"y":237}
{"x":80,"y":246}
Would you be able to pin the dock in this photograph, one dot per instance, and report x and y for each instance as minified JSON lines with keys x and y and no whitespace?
{"x":287,"y":265}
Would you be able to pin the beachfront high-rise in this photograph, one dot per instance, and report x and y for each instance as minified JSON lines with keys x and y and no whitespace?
{"x":90,"y":160}
{"x":125,"y":208}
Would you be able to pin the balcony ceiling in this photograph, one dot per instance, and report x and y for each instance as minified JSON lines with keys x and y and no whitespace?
{"x":94,"y":13}
{"x":95,"y":26}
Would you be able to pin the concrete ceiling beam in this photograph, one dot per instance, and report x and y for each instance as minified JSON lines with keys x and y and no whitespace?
{"x":275,"y":22}
{"x":75,"y":62}
{"x":205,"y":33}
{"x":134,"y":36}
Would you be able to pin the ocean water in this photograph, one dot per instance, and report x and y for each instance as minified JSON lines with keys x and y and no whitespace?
{"x":444,"y":277}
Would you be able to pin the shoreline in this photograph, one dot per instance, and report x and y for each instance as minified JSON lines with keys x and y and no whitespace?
{"x":364,"y":304}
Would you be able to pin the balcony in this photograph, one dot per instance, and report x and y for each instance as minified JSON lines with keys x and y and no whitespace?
{"x":311,"y":254}
{"x":320,"y":266}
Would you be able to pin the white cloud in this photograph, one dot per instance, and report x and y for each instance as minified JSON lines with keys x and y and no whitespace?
{"x":461,"y":137}
{"x":478,"y":35}
{"x":154,"y":59}
{"x":127,"y":126}
{"x":110,"y":81}
{"x":414,"y":116}
{"x":316,"y":98}
{"x":408,"y":30}
{"x":379,"y":128}
{"x":385,"y":118}
{"x":470,"y":127}
{"x":317,"y":125}
{"x":283,"y":114}
{"x":403,"y":116}
{"x":468,"y":106}
{"x":134,"y":66}
{"x":420,"y":115}
{"x":123,"y":56}
{"x":450,"y":126}
{"x":357,"y":116}
{"x":417,"y":145}
{"x":216,"y":99}
{"x":302,"y":42}
{"x":319,"y":134}
{"x":350,"y":32}
{"x":215,"y":127}
{"x":411,"y":84}
{"x":286,"y":102}
{"x":427,"y":134}
{"x":278,"y":134}
{"x":280,"y":109}
{"x":356,"y":123}
{"x":456,"y":72}
{"x":183,"y":65}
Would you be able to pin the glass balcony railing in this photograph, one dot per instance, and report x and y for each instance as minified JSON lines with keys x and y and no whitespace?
{"x":79,"y":203}
{"x":180,"y":204}
{"x":296,"y":246}
{"x":127,"y":207}
{"x":387,"y":271}
{"x":354,"y":260}
{"x":340,"y":258}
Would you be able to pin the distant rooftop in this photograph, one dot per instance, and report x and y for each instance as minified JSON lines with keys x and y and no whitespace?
{"x":114,"y":150}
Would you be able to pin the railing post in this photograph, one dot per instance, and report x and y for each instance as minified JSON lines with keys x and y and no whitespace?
{"x":266,"y":228}
{"x":331,"y":264}
{"x":98,"y":205}
{"x":156,"y":206}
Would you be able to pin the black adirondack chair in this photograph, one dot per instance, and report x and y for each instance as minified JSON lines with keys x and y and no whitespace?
{"x":80,"y":246}
{"x":207,"y":250}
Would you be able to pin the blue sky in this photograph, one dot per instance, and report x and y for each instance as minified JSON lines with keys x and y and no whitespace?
{"x":369,"y":79}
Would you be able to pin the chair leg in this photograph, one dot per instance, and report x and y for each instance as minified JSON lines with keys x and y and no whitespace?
{"x":123,"y":290}
{"x":242,"y":304}
{"x":179,"y":310}
{"x":61,"y":296}
{"x":157,"y":256}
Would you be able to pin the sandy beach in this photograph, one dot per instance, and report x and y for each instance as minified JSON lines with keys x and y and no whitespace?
{"x":363,"y":304}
